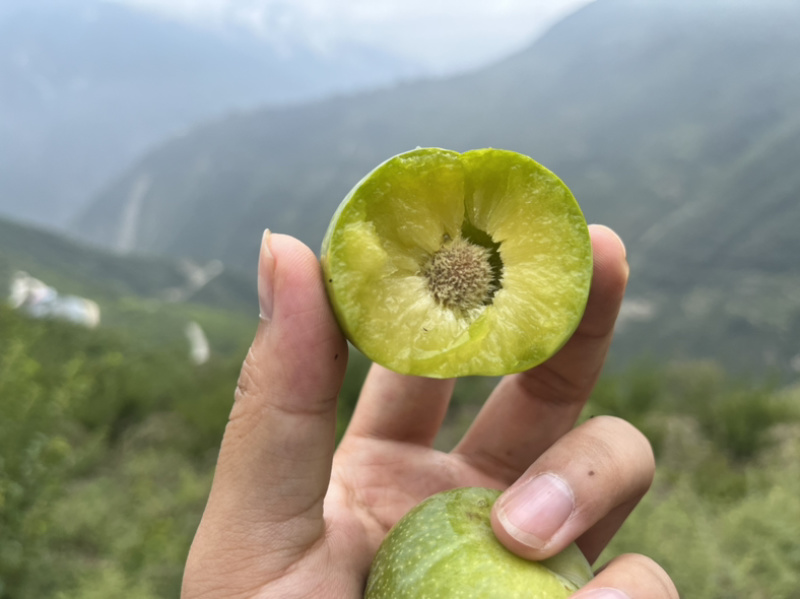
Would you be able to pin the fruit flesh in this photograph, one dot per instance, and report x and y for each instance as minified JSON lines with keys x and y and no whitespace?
{"x":445,"y":548}
{"x":406,"y":210}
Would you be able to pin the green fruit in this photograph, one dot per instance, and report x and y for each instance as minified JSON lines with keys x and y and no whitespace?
{"x":445,"y":549}
{"x":443,"y":264}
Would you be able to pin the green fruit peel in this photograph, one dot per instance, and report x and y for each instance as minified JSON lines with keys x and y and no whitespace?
{"x":443,"y":264}
{"x":445,"y":549}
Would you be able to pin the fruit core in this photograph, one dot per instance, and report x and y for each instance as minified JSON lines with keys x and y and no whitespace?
{"x":465,"y":272}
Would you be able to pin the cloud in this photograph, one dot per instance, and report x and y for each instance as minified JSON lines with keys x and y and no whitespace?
{"x":443,"y":36}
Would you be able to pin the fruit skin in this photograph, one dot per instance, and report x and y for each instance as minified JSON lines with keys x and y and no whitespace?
{"x":445,"y":549}
{"x":376,"y":246}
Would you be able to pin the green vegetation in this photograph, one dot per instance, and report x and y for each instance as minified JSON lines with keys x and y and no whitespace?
{"x":105,"y":457}
{"x":107,"y":450}
{"x":723,"y":515}
{"x":151,"y":295}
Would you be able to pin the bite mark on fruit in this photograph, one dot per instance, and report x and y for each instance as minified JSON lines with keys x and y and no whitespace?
{"x":460,"y":275}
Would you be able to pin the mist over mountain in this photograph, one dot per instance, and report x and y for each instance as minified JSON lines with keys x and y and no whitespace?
{"x":87,"y":85}
{"x":678,"y":124}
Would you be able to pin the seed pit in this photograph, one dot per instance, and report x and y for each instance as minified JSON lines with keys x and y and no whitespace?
{"x":465,"y":272}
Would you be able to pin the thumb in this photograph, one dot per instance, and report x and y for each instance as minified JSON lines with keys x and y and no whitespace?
{"x":275,"y":461}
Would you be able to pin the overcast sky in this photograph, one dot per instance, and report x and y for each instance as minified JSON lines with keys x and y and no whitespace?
{"x":443,"y":35}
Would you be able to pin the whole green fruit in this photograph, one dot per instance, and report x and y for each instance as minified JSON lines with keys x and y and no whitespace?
{"x":445,"y":549}
{"x":443,"y":264}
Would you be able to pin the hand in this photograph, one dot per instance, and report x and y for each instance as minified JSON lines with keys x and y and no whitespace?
{"x":287,"y":517}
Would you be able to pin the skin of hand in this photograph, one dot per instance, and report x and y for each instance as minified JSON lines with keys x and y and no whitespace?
{"x":290,"y":515}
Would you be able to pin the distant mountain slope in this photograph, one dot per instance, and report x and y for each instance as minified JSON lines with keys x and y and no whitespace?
{"x":155,"y":297}
{"x":677,"y":123}
{"x":87,"y":85}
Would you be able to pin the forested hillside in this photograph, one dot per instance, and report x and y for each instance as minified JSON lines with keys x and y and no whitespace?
{"x":86,"y":86}
{"x":676,"y":123}
{"x":107,"y":451}
{"x":156,"y":297}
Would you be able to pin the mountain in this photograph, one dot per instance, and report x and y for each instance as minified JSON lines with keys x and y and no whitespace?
{"x":86,"y":86}
{"x":676,"y":123}
{"x":155,"y":298}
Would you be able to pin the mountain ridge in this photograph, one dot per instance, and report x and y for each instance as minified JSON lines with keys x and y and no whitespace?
{"x":155,"y":297}
{"x":677,"y":125}
{"x":87,"y":87}
{"x":271,"y":132}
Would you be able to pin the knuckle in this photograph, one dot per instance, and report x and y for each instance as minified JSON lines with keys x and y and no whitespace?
{"x":247,"y":405}
{"x":627,"y":438}
{"x":246,"y":384}
{"x":547,"y":384}
{"x":623,"y":451}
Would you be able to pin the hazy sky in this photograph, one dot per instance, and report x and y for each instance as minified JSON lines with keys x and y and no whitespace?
{"x":442,"y":35}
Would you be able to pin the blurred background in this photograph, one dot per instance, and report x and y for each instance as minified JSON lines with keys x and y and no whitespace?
{"x":146,"y":144}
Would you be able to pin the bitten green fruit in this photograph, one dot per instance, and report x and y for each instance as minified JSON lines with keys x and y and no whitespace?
{"x":445,"y":549}
{"x":443,"y":264}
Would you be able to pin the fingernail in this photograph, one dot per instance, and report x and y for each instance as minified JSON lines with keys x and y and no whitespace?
{"x":533,"y":512}
{"x":604,"y":593}
{"x":266,"y":271}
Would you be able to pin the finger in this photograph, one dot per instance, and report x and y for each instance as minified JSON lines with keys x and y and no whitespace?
{"x":630,"y":576}
{"x":536,"y":407}
{"x":275,"y":460}
{"x":582,"y":488}
{"x":399,"y":407}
